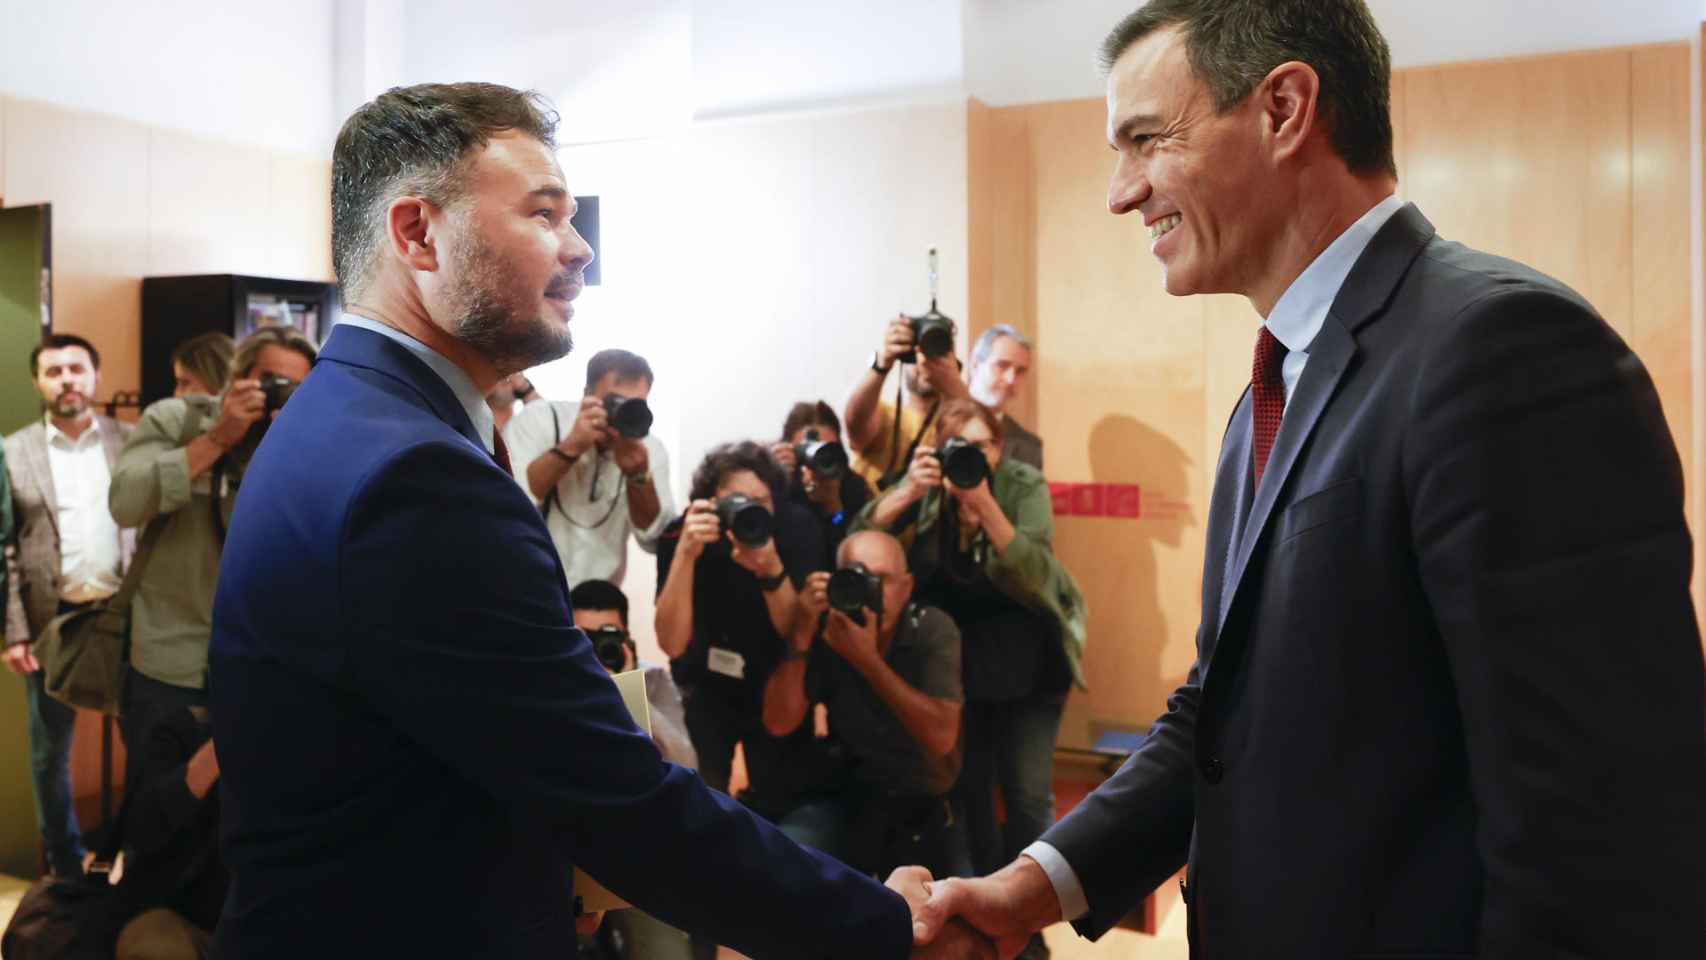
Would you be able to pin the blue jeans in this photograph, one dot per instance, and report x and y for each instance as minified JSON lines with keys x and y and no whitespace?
{"x":51,"y":725}
{"x":1010,"y":746}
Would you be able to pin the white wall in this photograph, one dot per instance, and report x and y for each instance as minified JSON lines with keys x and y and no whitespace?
{"x":755,"y":263}
{"x":249,"y":72}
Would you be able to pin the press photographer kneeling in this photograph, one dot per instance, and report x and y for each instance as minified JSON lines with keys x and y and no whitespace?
{"x":729,"y":569}
{"x":888,"y":670}
{"x":982,"y":530}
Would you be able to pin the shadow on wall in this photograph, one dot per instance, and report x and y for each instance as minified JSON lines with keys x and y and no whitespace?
{"x":1118,"y":568}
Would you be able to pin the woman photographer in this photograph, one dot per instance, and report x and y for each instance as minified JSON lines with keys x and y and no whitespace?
{"x":835,"y":501}
{"x":984,"y":553}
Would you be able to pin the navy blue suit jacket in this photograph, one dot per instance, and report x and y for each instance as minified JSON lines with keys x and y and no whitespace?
{"x":416,"y":744}
{"x":1448,"y":698}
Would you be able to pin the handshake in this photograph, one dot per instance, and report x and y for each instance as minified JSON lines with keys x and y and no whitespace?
{"x":991,"y":916}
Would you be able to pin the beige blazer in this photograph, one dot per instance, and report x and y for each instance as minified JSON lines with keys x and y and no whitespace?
{"x":32,"y":558}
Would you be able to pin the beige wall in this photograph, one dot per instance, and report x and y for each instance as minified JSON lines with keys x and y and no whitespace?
{"x":1576,"y":164}
{"x":131,"y":201}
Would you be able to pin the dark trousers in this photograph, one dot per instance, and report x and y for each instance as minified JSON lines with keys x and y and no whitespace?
{"x":51,"y":725}
{"x":146,"y":702}
{"x":1010,"y":747}
{"x":874,"y":834}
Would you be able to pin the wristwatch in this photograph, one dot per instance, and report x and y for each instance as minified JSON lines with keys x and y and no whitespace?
{"x":639,"y":479}
{"x":877,"y":363}
{"x":568,"y":458}
{"x":769,"y":584}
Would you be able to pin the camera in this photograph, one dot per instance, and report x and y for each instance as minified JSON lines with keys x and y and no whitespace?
{"x":611,"y":645}
{"x":827,"y":459}
{"x":746,"y":518}
{"x":963,"y":463}
{"x":853,"y":589}
{"x":277,"y":390}
{"x":629,"y":416}
{"x":933,"y":334}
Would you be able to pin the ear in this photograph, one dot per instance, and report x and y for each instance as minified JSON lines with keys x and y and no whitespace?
{"x":1287,"y":98}
{"x":409,"y":232}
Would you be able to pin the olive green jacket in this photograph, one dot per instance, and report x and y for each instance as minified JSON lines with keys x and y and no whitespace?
{"x":1028,"y":570}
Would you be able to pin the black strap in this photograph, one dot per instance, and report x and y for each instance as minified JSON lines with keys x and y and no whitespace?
{"x":551,"y":498}
{"x":897,"y":470}
{"x":556,"y":438}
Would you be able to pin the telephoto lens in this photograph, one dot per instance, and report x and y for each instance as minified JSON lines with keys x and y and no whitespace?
{"x":854,"y":589}
{"x":276,"y":390}
{"x":963,"y":463}
{"x":746,"y":518}
{"x":933,"y":333}
{"x":629,"y":416}
{"x":610,"y":644}
{"x":827,"y":458}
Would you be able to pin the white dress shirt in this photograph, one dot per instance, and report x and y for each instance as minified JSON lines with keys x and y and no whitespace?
{"x":1295,"y":320}
{"x":89,"y":551}
{"x":453,"y":376}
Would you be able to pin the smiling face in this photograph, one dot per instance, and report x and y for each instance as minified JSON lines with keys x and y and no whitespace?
{"x":1200,"y":180}
{"x":513,"y":261}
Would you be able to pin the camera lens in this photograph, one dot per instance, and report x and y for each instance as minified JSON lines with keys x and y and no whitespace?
{"x":827,"y":460}
{"x":628,"y":416}
{"x":746,"y":518}
{"x":276,"y":390}
{"x":963,"y":463}
{"x":610,"y":645}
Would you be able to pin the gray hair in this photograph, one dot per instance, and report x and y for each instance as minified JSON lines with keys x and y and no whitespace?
{"x":986,"y":341}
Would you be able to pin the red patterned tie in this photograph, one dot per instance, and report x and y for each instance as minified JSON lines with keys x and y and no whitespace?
{"x":500,"y":453}
{"x":1267,"y":393}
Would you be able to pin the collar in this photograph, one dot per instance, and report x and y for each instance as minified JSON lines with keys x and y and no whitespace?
{"x":54,"y":431}
{"x":1297,"y":316}
{"x":453,"y":376}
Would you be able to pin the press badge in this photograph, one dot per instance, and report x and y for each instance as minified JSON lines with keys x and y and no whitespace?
{"x":726,"y":662}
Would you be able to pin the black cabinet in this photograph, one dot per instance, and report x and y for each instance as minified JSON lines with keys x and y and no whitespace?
{"x":175,"y":309}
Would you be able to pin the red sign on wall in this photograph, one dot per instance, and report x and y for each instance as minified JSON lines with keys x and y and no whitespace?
{"x":1123,"y":501}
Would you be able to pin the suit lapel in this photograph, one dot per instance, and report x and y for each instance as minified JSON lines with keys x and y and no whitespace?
{"x":112,"y":441}
{"x":41,"y":470}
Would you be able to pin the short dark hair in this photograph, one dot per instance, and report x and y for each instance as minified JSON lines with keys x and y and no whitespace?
{"x":600,"y":595}
{"x":808,"y":414}
{"x":628,"y":366}
{"x":207,"y":358}
{"x":59,"y":341}
{"x":415,"y":141}
{"x":732,"y":457}
{"x":1233,"y":44}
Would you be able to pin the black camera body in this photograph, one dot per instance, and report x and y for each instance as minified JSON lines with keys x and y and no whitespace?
{"x":932,"y":334}
{"x":750,"y":521}
{"x":611,"y":644}
{"x":853,"y":589}
{"x":628,"y":416}
{"x":963,"y":463}
{"x":827,"y":458}
{"x":276,"y":390}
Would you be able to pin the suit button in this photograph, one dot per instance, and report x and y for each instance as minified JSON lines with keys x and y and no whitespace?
{"x":1213,"y":770}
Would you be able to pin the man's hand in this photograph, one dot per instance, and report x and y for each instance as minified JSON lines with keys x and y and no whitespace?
{"x":956,"y":941}
{"x":783,"y":452}
{"x":592,"y":424}
{"x":244,"y":404}
{"x":922,"y":476}
{"x":857,"y":644}
{"x":761,"y":561}
{"x":899,"y":340}
{"x":701,"y":529}
{"x":944,"y":375}
{"x":21,"y":658}
{"x":631,"y":456}
{"x":975,"y":505}
{"x":814,"y":598}
{"x":1007,"y":906}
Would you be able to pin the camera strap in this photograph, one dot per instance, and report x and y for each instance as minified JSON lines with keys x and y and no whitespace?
{"x":897,"y":470}
{"x":551,"y":498}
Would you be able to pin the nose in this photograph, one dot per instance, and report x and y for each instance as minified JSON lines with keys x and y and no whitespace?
{"x":1129,"y":186}
{"x":575,"y":253}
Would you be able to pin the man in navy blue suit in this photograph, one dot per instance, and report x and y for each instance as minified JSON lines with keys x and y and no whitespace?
{"x":1448,"y":698}
{"x":417,"y":745}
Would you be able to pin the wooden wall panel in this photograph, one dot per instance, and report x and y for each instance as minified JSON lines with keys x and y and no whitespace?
{"x":298,"y":225}
{"x":1001,"y":231}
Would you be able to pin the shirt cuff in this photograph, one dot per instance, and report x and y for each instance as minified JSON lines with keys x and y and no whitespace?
{"x":1061,"y":876}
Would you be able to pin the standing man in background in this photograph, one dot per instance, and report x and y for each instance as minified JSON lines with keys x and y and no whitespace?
{"x":1448,"y":697}
{"x":595,"y":487}
{"x":68,"y":553}
{"x":1000,"y":362}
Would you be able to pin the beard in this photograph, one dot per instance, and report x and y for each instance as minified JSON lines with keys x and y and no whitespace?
{"x":917,"y":385}
{"x":498,"y":319}
{"x":68,"y":405}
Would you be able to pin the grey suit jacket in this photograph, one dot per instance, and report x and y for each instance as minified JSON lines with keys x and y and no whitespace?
{"x":32,"y":555}
{"x":1021,"y":444}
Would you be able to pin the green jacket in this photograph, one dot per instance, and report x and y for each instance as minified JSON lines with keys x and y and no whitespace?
{"x":6,"y":544}
{"x":1028,"y":570}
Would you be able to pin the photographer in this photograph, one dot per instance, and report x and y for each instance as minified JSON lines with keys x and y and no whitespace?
{"x":888,"y":670}
{"x":1000,"y":362}
{"x":513,"y":389}
{"x":881,"y":445}
{"x":831,"y":490}
{"x":176,"y":480}
{"x":202,"y":365}
{"x":595,"y":485}
{"x":724,"y":607}
{"x":982,"y":551}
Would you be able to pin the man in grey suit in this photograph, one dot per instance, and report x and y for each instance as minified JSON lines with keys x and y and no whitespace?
{"x":1448,"y":692}
{"x":67,"y":552}
{"x":1000,"y":362}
